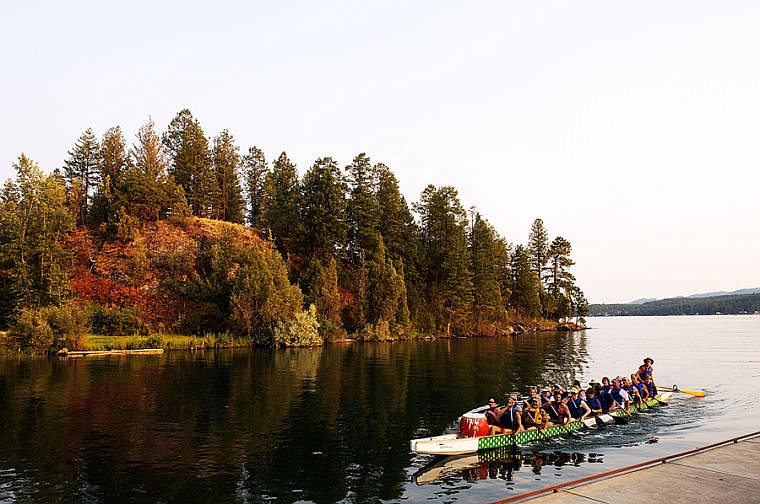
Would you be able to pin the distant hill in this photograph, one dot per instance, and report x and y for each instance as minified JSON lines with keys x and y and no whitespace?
{"x":754,"y":290}
{"x":642,"y":300}
{"x":726,"y":304}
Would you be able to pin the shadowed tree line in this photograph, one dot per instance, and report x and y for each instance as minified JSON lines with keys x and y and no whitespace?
{"x":290,"y":259}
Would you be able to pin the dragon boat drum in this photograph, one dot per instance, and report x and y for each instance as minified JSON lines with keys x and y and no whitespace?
{"x":473,"y":425}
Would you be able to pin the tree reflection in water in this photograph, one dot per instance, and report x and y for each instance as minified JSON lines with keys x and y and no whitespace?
{"x":323,"y":424}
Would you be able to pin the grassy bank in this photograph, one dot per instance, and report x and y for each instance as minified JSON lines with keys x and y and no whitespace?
{"x":165,"y":341}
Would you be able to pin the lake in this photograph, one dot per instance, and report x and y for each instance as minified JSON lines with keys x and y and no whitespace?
{"x":333,"y":424}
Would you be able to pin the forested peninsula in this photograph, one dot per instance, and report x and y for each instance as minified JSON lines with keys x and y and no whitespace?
{"x":179,"y":240}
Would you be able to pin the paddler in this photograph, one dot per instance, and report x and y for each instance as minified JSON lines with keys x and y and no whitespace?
{"x":557,"y":411}
{"x":646,"y":369}
{"x":578,"y":408}
{"x":510,"y":421}
{"x":491,"y":412}
{"x":650,"y":386}
{"x":534,"y":417}
{"x":620,"y":398}
{"x":532,"y":394}
{"x":594,"y":404}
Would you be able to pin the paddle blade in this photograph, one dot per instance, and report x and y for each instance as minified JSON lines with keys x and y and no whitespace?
{"x":618,"y":420}
{"x":696,"y":393}
{"x":599,"y":422}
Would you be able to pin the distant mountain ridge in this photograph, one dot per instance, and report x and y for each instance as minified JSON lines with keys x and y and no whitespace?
{"x":739,"y":292}
{"x":739,"y":302}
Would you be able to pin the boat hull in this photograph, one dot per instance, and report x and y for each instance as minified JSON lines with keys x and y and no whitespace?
{"x":452,"y":444}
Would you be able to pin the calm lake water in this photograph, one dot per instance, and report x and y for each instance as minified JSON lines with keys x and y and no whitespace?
{"x":333,"y":424}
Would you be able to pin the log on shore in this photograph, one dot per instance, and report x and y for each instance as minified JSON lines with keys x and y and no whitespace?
{"x":75,"y":354}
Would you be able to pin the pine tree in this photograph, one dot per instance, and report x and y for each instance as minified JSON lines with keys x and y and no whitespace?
{"x":502,"y":263}
{"x":448,"y":284}
{"x":145,"y":190}
{"x":230,"y":205}
{"x":487,"y":294}
{"x":191,"y":162}
{"x":362,"y":210}
{"x":561,"y":281}
{"x":82,"y":171}
{"x":538,"y":247}
{"x":323,"y":209}
{"x":525,"y":284}
{"x":282,"y":191}
{"x":320,"y":281}
{"x":255,"y":170}
{"x":114,"y":162}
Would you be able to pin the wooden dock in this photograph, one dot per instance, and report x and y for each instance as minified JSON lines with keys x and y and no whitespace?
{"x":78,"y":354}
{"x":726,"y":472}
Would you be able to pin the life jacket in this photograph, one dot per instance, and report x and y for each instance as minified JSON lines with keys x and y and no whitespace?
{"x":574,"y":405}
{"x":594,"y":403}
{"x":535,"y":416}
{"x":508,"y":419}
{"x":617,"y":396}
{"x":645,"y":371}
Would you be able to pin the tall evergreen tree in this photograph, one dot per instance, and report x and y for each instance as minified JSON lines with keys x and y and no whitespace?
{"x":282,"y":192}
{"x":191,"y":163}
{"x":446,"y":261}
{"x":393,"y":212}
{"x":456,"y":288}
{"x":485,"y":280}
{"x":401,"y":236}
{"x":362,"y":211}
{"x":114,"y":162}
{"x":525,"y":284}
{"x":502,"y":262}
{"x":82,"y":171}
{"x":255,"y":170}
{"x":386,"y":293}
{"x":230,"y":205}
{"x":146,"y":192}
{"x":323,"y":209}
{"x":538,"y":247}
{"x":561,"y":281}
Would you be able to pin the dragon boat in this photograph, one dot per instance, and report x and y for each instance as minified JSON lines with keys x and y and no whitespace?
{"x":472,"y":436}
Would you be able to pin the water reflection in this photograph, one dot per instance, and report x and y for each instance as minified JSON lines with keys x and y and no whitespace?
{"x":500,"y":463}
{"x":322,"y":425}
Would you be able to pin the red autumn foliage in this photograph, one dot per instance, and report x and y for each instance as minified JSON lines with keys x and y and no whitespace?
{"x":87,"y":286}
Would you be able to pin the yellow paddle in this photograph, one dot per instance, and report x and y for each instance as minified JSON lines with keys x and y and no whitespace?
{"x":696,"y":393}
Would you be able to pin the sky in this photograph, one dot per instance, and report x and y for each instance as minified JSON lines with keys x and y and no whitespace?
{"x":630,"y":129}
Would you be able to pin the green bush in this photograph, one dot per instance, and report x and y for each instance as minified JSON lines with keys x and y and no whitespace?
{"x":302,"y":330}
{"x":32,"y":331}
{"x":70,"y":325}
{"x":51,"y":328}
{"x":116,"y":321}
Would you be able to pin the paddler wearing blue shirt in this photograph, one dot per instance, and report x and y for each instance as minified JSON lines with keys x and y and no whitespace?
{"x":620,"y":398}
{"x":578,"y":408}
{"x":594,"y":404}
{"x":510,"y":421}
{"x":646,"y":369}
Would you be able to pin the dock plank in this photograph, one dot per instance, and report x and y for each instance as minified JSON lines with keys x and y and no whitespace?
{"x":729,"y":473}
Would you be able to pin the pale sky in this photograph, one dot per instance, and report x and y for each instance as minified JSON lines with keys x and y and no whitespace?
{"x":631,"y":129}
